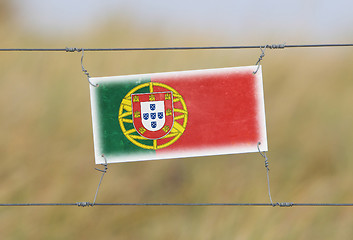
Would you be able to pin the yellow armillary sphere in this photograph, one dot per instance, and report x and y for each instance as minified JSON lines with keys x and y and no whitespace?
{"x":126,"y":118}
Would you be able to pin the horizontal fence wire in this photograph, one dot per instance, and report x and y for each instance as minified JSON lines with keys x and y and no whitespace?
{"x":271,"y":46}
{"x":88,"y":204}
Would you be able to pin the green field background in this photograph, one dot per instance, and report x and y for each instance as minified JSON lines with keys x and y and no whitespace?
{"x":46,"y":144}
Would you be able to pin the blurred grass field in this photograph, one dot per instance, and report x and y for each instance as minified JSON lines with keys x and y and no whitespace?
{"x":46,"y":145}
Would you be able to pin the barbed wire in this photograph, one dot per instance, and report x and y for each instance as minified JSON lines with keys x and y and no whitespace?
{"x":269,"y":46}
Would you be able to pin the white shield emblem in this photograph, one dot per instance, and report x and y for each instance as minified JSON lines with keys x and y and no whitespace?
{"x":152,"y":114}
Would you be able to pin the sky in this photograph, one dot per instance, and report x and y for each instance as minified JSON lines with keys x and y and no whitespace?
{"x":312,"y":20}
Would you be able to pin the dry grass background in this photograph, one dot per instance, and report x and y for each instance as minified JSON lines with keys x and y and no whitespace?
{"x":46,"y":146}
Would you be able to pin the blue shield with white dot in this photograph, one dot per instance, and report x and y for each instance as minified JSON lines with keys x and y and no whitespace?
{"x":152,"y":106}
{"x":160,"y":115}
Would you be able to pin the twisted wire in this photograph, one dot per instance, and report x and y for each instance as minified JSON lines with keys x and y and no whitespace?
{"x":103,"y":172}
{"x":82,"y":67}
{"x":263,"y":154}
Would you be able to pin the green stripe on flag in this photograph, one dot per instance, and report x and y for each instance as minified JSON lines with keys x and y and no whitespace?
{"x":110,"y":96}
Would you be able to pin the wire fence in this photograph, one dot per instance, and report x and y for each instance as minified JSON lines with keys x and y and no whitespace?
{"x":262,"y":47}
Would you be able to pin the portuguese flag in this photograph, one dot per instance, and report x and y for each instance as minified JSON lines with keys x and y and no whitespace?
{"x":178,"y":114}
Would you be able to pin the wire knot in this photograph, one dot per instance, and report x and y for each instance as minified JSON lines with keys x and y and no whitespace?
{"x":263,"y":154}
{"x":263,"y":48}
{"x":267,"y":164}
{"x":84,"y":204}
{"x":283,"y":204}
{"x":276,"y":46}
{"x":105,"y":164}
{"x":260,"y":58}
{"x":68,"y":49}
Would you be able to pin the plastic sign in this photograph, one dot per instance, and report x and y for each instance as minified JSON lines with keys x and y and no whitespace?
{"x":178,"y":114}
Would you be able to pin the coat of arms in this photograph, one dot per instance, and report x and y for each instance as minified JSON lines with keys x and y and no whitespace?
{"x":153,"y":114}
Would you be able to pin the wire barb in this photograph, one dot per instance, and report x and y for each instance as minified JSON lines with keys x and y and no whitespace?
{"x":103,"y":172}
